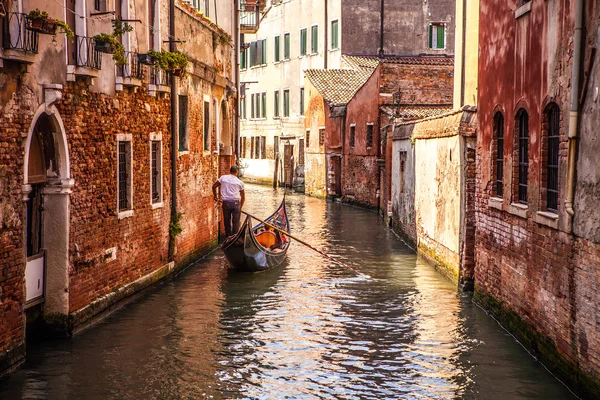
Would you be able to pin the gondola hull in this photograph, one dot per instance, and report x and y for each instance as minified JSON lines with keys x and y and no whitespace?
{"x":245,"y":253}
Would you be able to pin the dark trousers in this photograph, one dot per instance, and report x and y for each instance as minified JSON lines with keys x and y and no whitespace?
{"x":232,"y":211}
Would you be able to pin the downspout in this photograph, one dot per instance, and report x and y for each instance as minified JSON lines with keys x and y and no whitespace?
{"x":236,"y":109}
{"x":463,"y":55}
{"x":381,"y":52}
{"x":326,"y":51}
{"x":173,"y":129}
{"x":574,"y":113}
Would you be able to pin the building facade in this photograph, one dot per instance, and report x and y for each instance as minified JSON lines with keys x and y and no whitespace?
{"x":86,"y":178}
{"x":538,"y":248}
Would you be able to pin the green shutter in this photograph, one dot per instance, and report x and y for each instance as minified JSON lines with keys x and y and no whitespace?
{"x":430,"y":36}
{"x":314,"y":39}
{"x":334,"y":35}
{"x":440,"y":36}
{"x":286,"y":46}
{"x":277,"y":48}
{"x":264,"y":51}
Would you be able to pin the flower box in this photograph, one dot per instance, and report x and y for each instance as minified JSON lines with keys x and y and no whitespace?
{"x":146,"y":59}
{"x":42,"y":26}
{"x":103,"y":46}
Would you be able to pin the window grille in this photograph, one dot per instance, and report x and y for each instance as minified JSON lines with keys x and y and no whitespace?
{"x":499,"y":128}
{"x":370,"y":135}
{"x":523,"y":155}
{"x":552,"y":158}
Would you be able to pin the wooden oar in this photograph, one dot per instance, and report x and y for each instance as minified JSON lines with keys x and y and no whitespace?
{"x":304,"y":243}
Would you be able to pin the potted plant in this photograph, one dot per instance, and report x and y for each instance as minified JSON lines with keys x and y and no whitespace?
{"x":65,"y":28}
{"x":40,"y":22}
{"x":108,"y":43}
{"x":174,"y":62}
{"x":146,"y":59}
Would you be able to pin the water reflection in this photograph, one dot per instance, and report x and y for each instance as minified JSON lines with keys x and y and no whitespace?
{"x":309,"y":329}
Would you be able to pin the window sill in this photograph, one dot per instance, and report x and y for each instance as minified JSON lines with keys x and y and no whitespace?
{"x":183,"y":152}
{"x":332,"y":50}
{"x":276,"y":117}
{"x":276,"y":62}
{"x":258,"y":119}
{"x":154,"y":206}
{"x":520,"y":210}
{"x":495,"y":202}
{"x":125,"y":214}
{"x":429,"y":48}
{"x":547,"y":218}
{"x":522,"y":10}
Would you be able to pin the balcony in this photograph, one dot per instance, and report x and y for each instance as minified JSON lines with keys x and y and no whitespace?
{"x":159,"y":82}
{"x":249,"y":16}
{"x":19,"y":43}
{"x":131,"y":74}
{"x":87,"y":60}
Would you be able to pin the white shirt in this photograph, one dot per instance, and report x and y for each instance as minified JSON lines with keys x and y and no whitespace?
{"x":230,"y":187}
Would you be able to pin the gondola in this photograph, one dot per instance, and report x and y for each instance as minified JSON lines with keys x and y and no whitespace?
{"x":259,"y":247}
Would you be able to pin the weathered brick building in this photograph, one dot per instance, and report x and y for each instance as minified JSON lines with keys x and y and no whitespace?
{"x":538,"y":178}
{"x":86,"y":155}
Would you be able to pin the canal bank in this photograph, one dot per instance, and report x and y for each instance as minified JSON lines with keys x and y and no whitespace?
{"x":309,"y":329}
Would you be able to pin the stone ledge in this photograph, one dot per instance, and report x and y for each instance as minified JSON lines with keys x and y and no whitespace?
{"x":520,"y":210}
{"x":547,"y":218}
{"x":496,"y":202}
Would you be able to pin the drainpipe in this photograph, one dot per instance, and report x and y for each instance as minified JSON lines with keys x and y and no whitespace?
{"x":574,"y":113}
{"x":381,"y":30}
{"x":326,"y":52}
{"x":463,"y":56}
{"x":173,"y":127}
{"x":236,"y":109}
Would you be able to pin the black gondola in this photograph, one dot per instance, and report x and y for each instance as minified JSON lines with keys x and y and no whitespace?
{"x":258,"y":248}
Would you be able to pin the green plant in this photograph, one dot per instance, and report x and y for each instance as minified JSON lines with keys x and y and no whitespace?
{"x":37,"y":15}
{"x":175,"y":227}
{"x":170,"y":60}
{"x":65,"y":29}
{"x":116,"y":47}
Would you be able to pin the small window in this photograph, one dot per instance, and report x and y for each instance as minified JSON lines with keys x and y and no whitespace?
{"x":156,"y":170}
{"x":183,"y":123}
{"x":314,"y":39}
{"x":286,"y":46}
{"x":124,"y":189}
{"x":207,"y":8}
{"x":301,"y":101}
{"x":352,"y":135}
{"x":523,"y":144}
{"x":499,"y":153}
{"x":437,"y":36}
{"x":308,"y":138}
{"x":553,"y":144}
{"x":264,"y":51}
{"x":369,"y":135}
{"x":402,"y":171}
{"x":300,"y":151}
{"x":321,"y":136}
{"x":277,"y":47}
{"x":206,"y":125}
{"x":276,"y":104}
{"x":263,"y":105}
{"x":286,"y":103}
{"x":303,"y":41}
{"x":335,"y":44}
{"x":243,"y":59}
{"x":100,"y":5}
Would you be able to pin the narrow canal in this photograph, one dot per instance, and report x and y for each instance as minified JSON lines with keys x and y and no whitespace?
{"x":309,"y":329}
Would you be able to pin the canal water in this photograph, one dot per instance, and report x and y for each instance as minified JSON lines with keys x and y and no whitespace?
{"x":309,"y":329}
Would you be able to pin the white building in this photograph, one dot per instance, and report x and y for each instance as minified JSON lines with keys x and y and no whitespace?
{"x":294,"y":36}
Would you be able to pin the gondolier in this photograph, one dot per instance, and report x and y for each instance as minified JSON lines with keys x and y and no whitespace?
{"x":231,"y":192}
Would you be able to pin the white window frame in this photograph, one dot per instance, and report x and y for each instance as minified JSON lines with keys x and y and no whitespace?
{"x":125,"y":137}
{"x":434,"y":36}
{"x":157,"y":137}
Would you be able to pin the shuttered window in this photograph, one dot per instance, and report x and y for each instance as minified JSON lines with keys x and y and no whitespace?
{"x":286,"y":103}
{"x":334,"y":35}
{"x":183,"y":123}
{"x":437,"y":36}
{"x":276,"y":104}
{"x":277,"y":47}
{"x":286,"y":46}
{"x":314,"y":39}
{"x":303,"y":41}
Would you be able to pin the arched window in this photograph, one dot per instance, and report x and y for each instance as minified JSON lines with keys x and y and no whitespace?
{"x":498,"y":153}
{"x":552,"y":117}
{"x":523,"y":149}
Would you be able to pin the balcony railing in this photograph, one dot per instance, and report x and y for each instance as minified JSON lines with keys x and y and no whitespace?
{"x":133,"y":68}
{"x":86,"y":54}
{"x":159,"y":77}
{"x":249,"y":16}
{"x":16,"y":36}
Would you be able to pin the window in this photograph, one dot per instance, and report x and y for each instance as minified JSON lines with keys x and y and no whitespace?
{"x":276,"y":145}
{"x":308,"y":138}
{"x":99,"y":5}
{"x":303,"y":41}
{"x":252,"y":147}
{"x":263,"y":147}
{"x":301,"y":101}
{"x":244,"y":147}
{"x":321,"y":136}
{"x":243,"y":108}
{"x":437,"y":36}
{"x":258,"y":105}
{"x":252,"y":105}
{"x":258,"y":53}
{"x":499,"y":152}
{"x":352,"y":135}
{"x":523,"y":125}
{"x":124,"y":175}
{"x":300,"y":151}
{"x":402,"y":170}
{"x":553,"y":141}
{"x":263,"y":105}
{"x":286,"y":103}
{"x":286,"y":46}
{"x":369,"y":135}
{"x":277,"y":48}
{"x":276,"y":104}
{"x":335,"y":44}
{"x":155,"y":169}
{"x":243,"y":59}
{"x":207,"y":8}
{"x":183,"y":123}
{"x":206,"y":125}
{"x":314,"y":39}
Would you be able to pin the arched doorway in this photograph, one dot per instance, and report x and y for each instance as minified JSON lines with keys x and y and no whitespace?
{"x":46,"y":193}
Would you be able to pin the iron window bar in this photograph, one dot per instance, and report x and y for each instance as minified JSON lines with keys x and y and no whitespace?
{"x":499,"y":155}
{"x":16,"y":36}
{"x":523,"y":156}
{"x":552,"y":160}
{"x":133,"y":68}
{"x":86,"y":54}
{"x":159,"y":77}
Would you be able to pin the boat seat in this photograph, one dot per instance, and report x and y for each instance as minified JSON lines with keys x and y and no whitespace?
{"x":267,"y":239}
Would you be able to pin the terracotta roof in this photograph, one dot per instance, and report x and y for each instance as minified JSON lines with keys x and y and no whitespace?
{"x":338,"y":85}
{"x":356,"y":62}
{"x":410,"y":113}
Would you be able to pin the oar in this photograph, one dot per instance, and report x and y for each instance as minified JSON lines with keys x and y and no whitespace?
{"x":304,"y":243}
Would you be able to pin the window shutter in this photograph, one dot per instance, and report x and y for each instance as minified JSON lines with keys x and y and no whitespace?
{"x":264,"y":103}
{"x":430,"y":36}
{"x":277,"y":48}
{"x":440,"y":37}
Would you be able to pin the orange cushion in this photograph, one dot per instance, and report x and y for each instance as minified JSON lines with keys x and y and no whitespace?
{"x":266,"y":238}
